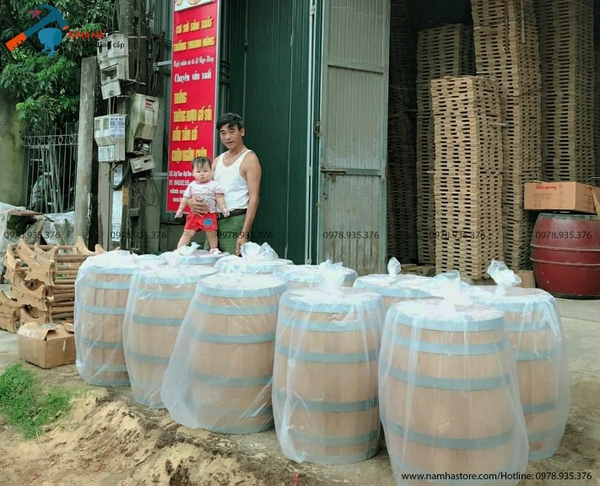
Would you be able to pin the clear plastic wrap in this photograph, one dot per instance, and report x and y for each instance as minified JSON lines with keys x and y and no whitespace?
{"x":220,"y":374}
{"x":157,"y":304}
{"x":449,"y":394}
{"x":325,"y":396}
{"x":536,"y":334}
{"x":255,"y":259}
{"x":309,"y":276}
{"x":101,"y":291}
{"x":394,"y":287}
{"x":192,"y":255}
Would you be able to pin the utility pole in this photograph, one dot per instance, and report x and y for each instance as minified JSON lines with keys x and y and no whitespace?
{"x":131,"y":22}
{"x":85,"y":149}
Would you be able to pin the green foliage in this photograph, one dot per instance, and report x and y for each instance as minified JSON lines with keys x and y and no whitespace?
{"x":24,"y":404}
{"x":47,"y":88}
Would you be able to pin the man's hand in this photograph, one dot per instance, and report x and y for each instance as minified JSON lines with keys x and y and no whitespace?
{"x":242,"y":239}
{"x":198,"y":206}
{"x":179,"y":213}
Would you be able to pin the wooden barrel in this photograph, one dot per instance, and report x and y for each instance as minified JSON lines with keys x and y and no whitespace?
{"x":235,"y":264}
{"x":394,"y":291}
{"x":325,"y":396}
{"x":308,"y":276}
{"x":535,"y":332}
{"x":449,"y":394}
{"x":157,"y":304}
{"x":101,"y":292}
{"x":227,"y":343}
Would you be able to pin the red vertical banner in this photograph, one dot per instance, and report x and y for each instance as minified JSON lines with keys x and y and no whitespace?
{"x":194,"y":74}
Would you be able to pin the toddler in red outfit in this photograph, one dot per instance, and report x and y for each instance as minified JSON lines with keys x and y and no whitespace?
{"x":205,"y":188}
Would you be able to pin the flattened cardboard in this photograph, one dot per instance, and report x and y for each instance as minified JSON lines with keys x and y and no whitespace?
{"x":46,"y":345}
{"x":562,"y":196}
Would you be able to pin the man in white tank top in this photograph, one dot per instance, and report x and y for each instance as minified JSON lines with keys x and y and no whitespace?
{"x":238,"y":172}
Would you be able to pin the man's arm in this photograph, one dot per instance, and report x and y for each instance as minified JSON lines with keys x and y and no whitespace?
{"x":252,"y":174}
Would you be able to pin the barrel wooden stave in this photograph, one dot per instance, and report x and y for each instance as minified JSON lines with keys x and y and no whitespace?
{"x":232,"y":381}
{"x":327,"y":412}
{"x":100,"y":350}
{"x":465,"y":381}
{"x":151,"y":332}
{"x":537,"y":343}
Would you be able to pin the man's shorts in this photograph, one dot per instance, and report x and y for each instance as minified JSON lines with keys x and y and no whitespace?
{"x":201,"y":222}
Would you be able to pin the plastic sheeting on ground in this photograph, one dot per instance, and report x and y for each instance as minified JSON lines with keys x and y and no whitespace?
{"x":101,"y":292}
{"x":255,"y":259}
{"x":325,"y":396}
{"x":308,"y":276}
{"x":157,"y":304}
{"x":536,"y":334}
{"x":220,"y":374}
{"x":449,"y":393}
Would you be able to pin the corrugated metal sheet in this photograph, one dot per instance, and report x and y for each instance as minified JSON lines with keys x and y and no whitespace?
{"x":352,"y":202}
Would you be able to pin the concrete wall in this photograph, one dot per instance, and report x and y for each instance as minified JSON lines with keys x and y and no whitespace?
{"x":12,"y":173}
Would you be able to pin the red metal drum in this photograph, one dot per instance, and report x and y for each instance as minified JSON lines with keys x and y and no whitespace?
{"x":565,"y":251}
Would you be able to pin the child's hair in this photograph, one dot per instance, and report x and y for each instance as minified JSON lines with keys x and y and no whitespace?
{"x":200,"y":162}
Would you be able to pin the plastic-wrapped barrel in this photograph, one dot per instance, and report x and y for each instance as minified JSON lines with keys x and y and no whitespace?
{"x":449,"y":394}
{"x":101,"y":291}
{"x":325,"y":397}
{"x":536,"y":335}
{"x":220,"y":374}
{"x":234,"y":264}
{"x":157,"y":304}
{"x":565,"y":251}
{"x":308,"y":276}
{"x":394,"y":290}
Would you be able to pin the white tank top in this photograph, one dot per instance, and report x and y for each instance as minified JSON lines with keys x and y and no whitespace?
{"x":232,"y":183}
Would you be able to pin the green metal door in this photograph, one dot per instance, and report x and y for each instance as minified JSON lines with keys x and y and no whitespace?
{"x":353,"y":133}
{"x":268,"y":85}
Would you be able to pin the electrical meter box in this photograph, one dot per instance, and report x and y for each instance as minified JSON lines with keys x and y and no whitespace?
{"x":140,"y":164}
{"x":109,"y":133}
{"x":143,"y":120}
{"x":118,"y":56}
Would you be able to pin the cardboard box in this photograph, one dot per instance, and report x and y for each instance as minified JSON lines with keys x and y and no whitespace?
{"x":561,"y":196}
{"x":527,"y":279}
{"x":46,"y":345}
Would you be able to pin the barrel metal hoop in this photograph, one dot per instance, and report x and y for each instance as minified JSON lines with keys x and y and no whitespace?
{"x":450,"y":442}
{"x":296,"y":402}
{"x":334,"y":441}
{"x":451,"y":384}
{"x":565,"y":264}
{"x":570,"y":250}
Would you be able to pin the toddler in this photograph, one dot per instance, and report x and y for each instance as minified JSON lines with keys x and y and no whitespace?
{"x":208,"y":190}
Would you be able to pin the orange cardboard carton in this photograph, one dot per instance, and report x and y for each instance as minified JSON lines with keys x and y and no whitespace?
{"x":46,"y":345}
{"x":562,"y":196}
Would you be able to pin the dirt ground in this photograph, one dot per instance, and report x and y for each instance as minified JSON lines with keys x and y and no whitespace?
{"x":108,"y":439}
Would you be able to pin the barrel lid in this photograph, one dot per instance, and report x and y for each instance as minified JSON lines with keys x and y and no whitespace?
{"x":167,"y":275}
{"x":309,"y":273}
{"x":514,"y":299}
{"x":437,"y":316}
{"x":344,"y":299}
{"x":117,"y":262}
{"x":237,"y":264}
{"x":397,"y":286}
{"x":240,"y":286}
